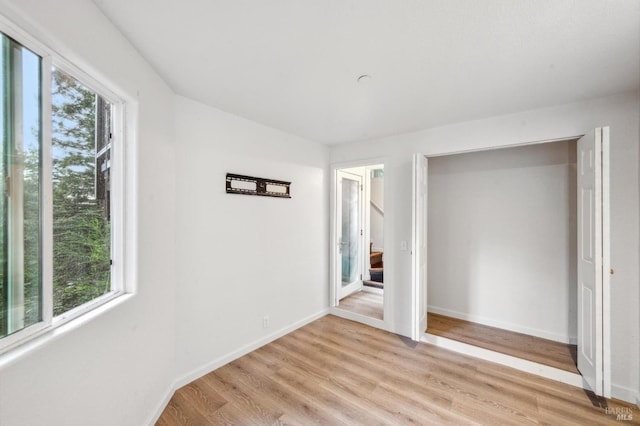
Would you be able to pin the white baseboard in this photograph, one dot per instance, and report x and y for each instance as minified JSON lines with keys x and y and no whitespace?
{"x":157,"y":412}
{"x":225,"y":359}
{"x":506,"y":360}
{"x":625,"y":394}
{"x":504,"y":325}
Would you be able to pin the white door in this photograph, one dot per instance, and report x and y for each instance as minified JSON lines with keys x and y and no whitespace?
{"x":419,"y":246}
{"x":590,"y":270}
{"x":349,"y":233}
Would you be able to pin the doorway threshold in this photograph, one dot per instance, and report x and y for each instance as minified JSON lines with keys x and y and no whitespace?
{"x":520,"y":345}
{"x":531,"y":367}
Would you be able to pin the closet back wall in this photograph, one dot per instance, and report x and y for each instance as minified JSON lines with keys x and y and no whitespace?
{"x":502,"y":238}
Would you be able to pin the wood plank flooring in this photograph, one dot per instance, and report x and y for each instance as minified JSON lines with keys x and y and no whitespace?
{"x":334,"y":371}
{"x":364,"y":302}
{"x":542,"y":351}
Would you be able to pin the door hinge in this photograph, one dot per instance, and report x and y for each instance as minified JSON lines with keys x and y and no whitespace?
{"x":361,"y":232}
{"x":360,"y":276}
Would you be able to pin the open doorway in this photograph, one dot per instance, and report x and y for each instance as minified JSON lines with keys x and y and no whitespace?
{"x":359,"y":235}
{"x":517,"y":249}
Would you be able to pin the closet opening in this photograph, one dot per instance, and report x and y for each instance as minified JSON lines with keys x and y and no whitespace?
{"x":510,"y":261}
{"x":502,"y":246}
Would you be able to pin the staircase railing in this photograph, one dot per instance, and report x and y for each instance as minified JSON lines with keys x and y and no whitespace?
{"x":377,"y":207}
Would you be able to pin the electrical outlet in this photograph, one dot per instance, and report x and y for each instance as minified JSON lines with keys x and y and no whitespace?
{"x":265,"y":321}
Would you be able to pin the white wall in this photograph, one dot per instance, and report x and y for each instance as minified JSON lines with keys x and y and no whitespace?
{"x":502,"y":238}
{"x":240,"y":258}
{"x":116,"y":367}
{"x":621,"y":112}
{"x":243,"y":257}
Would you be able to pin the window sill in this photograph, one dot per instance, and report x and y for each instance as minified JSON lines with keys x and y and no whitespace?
{"x":60,"y":327}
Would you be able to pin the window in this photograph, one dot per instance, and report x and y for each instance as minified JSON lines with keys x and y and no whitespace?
{"x":20,"y":204}
{"x":80,"y":152}
{"x":56,"y":179}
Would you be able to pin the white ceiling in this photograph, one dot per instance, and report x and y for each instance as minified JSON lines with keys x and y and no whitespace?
{"x":294,"y":64}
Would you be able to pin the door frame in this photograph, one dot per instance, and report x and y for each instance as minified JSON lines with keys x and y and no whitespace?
{"x":419,"y":219}
{"x":333,"y":244}
{"x":606,"y":245}
{"x":344,"y":291}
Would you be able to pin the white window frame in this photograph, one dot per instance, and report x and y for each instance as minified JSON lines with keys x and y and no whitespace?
{"x":118,"y":286}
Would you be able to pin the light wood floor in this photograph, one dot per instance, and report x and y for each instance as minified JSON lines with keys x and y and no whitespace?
{"x":334,"y":371}
{"x":364,"y":302}
{"x":542,"y":351}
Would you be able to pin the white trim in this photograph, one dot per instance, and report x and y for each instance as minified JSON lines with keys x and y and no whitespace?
{"x":227,"y":358}
{"x":333,"y":242}
{"x":419,"y":245}
{"x":377,"y":161}
{"x":504,"y":325}
{"x":48,"y":333}
{"x":80,"y":310}
{"x":40,"y":329}
{"x":23,"y":37}
{"x":494,"y":147}
{"x":606,"y":265}
{"x":552,"y":373}
{"x":128,"y":255}
{"x":46,"y":192}
{"x":162,"y":404}
{"x":86,"y":79}
{"x":23,"y":335}
{"x":625,"y":394}
{"x":355,"y":174}
{"x":415,"y":273}
{"x":374,"y":204}
{"x":118,"y":201}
